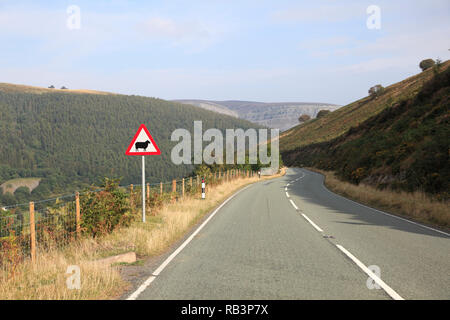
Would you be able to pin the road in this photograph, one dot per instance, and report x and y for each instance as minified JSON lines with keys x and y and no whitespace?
{"x":291,"y":238}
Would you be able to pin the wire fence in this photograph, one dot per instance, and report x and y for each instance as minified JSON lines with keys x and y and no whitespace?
{"x":27,"y":229}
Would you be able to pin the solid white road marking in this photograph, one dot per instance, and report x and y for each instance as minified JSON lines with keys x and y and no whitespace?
{"x":141,"y":289}
{"x":292,"y":202}
{"x":144,"y":286}
{"x":312,"y":223}
{"x":287,"y":194}
{"x":394,"y":295}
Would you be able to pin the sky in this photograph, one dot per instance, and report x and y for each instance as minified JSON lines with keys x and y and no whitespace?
{"x":258,"y":50}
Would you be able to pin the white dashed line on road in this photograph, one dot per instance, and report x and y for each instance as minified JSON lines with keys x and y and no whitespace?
{"x":287,"y":194}
{"x":394,"y":295}
{"x":292,"y":202}
{"x":312,"y":223}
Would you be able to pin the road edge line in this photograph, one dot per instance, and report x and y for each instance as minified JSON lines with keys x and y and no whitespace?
{"x":150,"y":279}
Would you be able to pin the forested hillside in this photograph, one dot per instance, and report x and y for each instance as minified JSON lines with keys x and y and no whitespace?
{"x":406,"y":146}
{"x":73,"y":139}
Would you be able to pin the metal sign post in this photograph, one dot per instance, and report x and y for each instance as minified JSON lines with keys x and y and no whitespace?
{"x":143,"y":188}
{"x":142,"y":145}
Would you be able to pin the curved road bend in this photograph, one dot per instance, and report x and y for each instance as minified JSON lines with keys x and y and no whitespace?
{"x":301,"y":241}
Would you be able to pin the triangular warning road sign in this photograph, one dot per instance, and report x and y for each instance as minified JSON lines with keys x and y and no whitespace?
{"x":142,"y":144}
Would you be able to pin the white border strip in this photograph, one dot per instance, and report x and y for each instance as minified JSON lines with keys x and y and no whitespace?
{"x":144,"y":286}
{"x":394,"y":295}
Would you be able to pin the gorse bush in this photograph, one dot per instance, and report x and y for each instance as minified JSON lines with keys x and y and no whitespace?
{"x":376,"y":90}
{"x":105,"y":210}
{"x":322,"y":113}
{"x":426,"y":64}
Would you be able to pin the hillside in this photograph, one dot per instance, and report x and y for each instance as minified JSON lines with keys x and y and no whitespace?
{"x":340,"y":121}
{"x":282,"y":115}
{"x":71,"y":139}
{"x":405,"y":146}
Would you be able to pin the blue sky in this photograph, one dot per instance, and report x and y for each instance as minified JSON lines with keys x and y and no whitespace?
{"x":319,"y":51}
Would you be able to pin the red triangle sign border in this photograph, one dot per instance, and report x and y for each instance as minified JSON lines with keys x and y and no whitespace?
{"x":157,"y":152}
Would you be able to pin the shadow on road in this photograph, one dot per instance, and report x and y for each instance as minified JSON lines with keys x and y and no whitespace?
{"x":311,"y":189}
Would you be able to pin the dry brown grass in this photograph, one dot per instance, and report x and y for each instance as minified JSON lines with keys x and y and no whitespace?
{"x":46,"y":279}
{"x":9,"y":87}
{"x":415,"y":205}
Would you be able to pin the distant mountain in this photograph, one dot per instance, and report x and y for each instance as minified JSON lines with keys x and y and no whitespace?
{"x":399,"y":139}
{"x":282,"y":115}
{"x":211,"y":106}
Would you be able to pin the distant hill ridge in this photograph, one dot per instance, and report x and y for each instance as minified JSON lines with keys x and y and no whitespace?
{"x":9,"y":87}
{"x":282,"y":115}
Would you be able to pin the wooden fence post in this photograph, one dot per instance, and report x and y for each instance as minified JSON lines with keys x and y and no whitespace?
{"x":32,"y":233}
{"x":182,"y":188}
{"x":160,"y":188}
{"x":190,"y":182}
{"x":197,"y":181}
{"x":174,"y":189}
{"x":78,"y":215}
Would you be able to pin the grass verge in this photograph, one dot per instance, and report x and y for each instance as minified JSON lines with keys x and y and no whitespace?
{"x":412,"y":205}
{"x":46,"y":279}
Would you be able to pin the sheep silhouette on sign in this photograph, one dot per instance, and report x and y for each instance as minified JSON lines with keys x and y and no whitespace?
{"x":142,"y":145}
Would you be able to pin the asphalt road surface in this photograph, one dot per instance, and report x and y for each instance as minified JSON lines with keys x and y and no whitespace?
{"x":291,"y":238}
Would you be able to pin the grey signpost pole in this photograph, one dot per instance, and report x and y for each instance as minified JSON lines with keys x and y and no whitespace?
{"x":143,"y":188}
{"x":134,"y":150}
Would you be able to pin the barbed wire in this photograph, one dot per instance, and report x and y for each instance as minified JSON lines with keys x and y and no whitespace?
{"x":61,"y":197}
